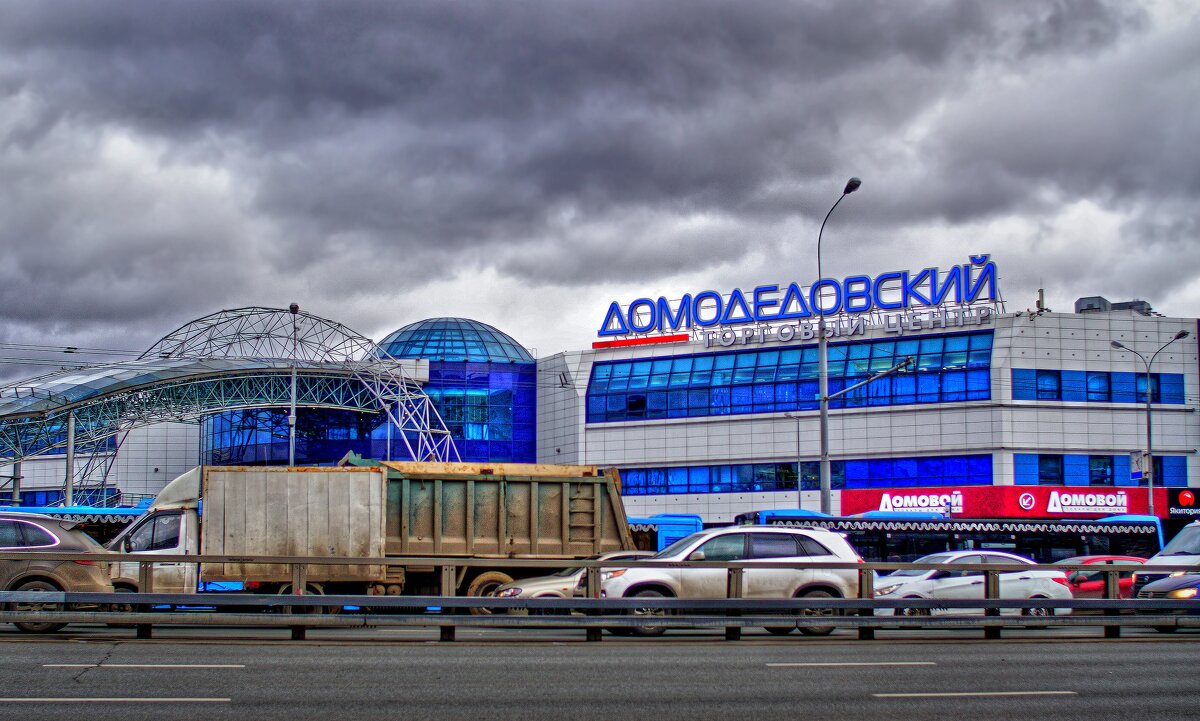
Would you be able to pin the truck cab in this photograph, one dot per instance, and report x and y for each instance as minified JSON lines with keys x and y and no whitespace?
{"x":170,"y":527}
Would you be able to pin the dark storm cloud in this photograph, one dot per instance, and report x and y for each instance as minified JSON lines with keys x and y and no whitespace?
{"x":161,"y":160}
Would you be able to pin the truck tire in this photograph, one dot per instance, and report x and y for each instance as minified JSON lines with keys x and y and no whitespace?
{"x":35,"y":627}
{"x":484,"y":585}
{"x":817,"y":630}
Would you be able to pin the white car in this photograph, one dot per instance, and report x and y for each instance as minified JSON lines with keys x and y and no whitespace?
{"x":562,"y":584}
{"x":750,"y":544}
{"x":969,"y":584}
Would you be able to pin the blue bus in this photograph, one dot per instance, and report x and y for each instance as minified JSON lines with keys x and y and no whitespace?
{"x":904,"y":537}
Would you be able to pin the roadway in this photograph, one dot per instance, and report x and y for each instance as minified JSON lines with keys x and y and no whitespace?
{"x":503,"y":674}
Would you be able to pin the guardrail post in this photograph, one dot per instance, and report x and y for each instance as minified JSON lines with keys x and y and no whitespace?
{"x":592,"y":588}
{"x":991,"y":591}
{"x":866,"y":591}
{"x":733,"y":589}
{"x":145,"y":585}
{"x":1112,"y":589}
{"x":299,"y":582}
{"x":449,"y":586}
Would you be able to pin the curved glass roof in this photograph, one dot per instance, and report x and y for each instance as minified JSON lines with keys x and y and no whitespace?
{"x":454,"y":339}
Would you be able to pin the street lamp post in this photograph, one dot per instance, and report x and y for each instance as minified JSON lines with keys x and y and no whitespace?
{"x":295,"y":309}
{"x":1148,"y":463}
{"x":822,"y":350}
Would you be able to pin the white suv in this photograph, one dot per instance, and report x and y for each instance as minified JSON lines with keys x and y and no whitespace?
{"x":748,"y":544}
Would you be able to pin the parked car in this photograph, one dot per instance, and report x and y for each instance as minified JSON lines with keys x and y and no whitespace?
{"x":969,"y":583}
{"x":750,"y":544}
{"x":1182,"y":550}
{"x":1090,"y":583}
{"x":562,"y":584}
{"x":21,"y":532}
{"x":1175,"y":588}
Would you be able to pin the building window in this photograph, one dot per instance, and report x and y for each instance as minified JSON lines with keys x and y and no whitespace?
{"x":1049,"y":385}
{"x":866,"y":473}
{"x":946,"y":369}
{"x":1100,"y":471}
{"x":1050,"y":470}
{"x":1098,"y":387}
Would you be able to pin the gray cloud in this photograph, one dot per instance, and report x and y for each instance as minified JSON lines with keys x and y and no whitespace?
{"x":159,"y":161}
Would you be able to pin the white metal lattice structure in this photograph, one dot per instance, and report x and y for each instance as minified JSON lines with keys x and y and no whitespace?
{"x":300,"y":339}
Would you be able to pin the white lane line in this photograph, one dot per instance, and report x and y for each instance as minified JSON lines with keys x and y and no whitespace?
{"x":113,"y":700}
{"x":863,"y":663}
{"x":974,"y":693}
{"x":143,"y":665}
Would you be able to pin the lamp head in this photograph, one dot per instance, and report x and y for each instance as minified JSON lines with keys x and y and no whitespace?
{"x":294,"y":308}
{"x":1181,"y":334}
{"x":851,"y":186}
{"x":1115,"y":344}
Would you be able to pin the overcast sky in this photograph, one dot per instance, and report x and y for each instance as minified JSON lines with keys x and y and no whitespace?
{"x":526,"y":163}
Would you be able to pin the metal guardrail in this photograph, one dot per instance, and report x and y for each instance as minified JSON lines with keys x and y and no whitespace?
{"x":299,"y":611}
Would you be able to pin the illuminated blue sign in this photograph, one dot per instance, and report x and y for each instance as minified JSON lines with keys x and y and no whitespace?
{"x":895,"y":291}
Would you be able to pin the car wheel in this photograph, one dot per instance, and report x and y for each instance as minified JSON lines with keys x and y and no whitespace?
{"x":122,"y":608}
{"x":823,"y":612}
{"x":36,"y":587}
{"x":485,"y":584}
{"x":1166,"y":629}
{"x":1039,"y":612}
{"x":780,"y":630}
{"x":914,"y":611}
{"x":649,"y":614}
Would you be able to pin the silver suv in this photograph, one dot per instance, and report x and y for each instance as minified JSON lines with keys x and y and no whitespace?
{"x":749,"y":544}
{"x":21,"y":532}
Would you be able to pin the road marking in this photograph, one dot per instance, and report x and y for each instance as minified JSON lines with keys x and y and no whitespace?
{"x":974,"y":693}
{"x":863,"y":663}
{"x":113,"y":700}
{"x":143,"y":665}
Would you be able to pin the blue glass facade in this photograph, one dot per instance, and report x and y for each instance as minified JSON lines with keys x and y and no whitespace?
{"x":1054,"y":469}
{"x":482,"y":382}
{"x":1095,"y":386}
{"x":948,"y":368}
{"x":971,"y":470}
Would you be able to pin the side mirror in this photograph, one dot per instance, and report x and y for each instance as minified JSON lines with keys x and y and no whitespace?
{"x":696,"y":556}
{"x":125,"y":545}
{"x":1074,"y":578}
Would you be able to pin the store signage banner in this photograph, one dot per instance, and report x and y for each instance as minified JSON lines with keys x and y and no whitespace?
{"x":1183,"y":503}
{"x":1009,"y":501}
{"x":897,"y":291}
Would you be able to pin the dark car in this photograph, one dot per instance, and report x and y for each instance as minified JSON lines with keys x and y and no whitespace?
{"x":1089,"y":583}
{"x":20,"y":532}
{"x":1174,"y":588}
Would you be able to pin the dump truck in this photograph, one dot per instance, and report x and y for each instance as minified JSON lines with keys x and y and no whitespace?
{"x":366,"y":509}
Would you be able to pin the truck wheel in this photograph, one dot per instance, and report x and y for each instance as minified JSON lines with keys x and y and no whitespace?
{"x":649,"y":613}
{"x":35,"y":627}
{"x":809,"y":612}
{"x":485,"y":584}
{"x":122,"y":608}
{"x":311,"y":589}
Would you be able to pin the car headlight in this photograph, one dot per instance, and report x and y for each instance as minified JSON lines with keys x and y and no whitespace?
{"x":887,"y":590}
{"x":1177,"y":573}
{"x":609,"y":575}
{"x":1182,"y":593}
{"x":508,"y":592}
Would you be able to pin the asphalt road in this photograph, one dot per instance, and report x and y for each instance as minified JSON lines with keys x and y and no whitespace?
{"x":402,"y":674}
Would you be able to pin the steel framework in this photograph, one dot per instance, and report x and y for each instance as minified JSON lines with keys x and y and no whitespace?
{"x":260,"y":348}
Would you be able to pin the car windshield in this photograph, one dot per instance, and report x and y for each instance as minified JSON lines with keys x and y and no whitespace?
{"x":934,"y":558}
{"x":678,"y":546}
{"x":567,"y":572}
{"x":1185,"y":543}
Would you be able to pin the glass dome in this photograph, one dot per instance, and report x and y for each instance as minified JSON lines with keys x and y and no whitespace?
{"x":454,"y":339}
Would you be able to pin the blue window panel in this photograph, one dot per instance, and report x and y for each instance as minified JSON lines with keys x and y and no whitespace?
{"x":698,"y":480}
{"x":954,"y":386}
{"x":677,"y":480}
{"x":1076,"y":470}
{"x":1074,"y":386}
{"x":743,"y":478}
{"x":928,"y":388}
{"x":742,"y":399}
{"x":720,"y":401}
{"x":677,"y":404}
{"x":1121,"y":471}
{"x":1049,"y":385}
{"x":1098,"y":384}
{"x":904,"y":388}
{"x":1024,"y":384}
{"x":698,"y":403}
{"x":1025,"y":469}
{"x":809,"y":393}
{"x":930,"y":469}
{"x":1124,"y":388}
{"x":764,"y":397}
{"x":1174,"y":472}
{"x":656,"y":405}
{"x":979,"y":385}
{"x":905,"y":469}
{"x":1171,"y":388}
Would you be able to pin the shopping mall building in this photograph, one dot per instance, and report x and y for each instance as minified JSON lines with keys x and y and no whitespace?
{"x":708,"y":403}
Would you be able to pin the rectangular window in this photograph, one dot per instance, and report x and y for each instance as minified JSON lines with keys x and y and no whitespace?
{"x":1050,"y":470}
{"x":1100,"y":471}
{"x":1049,"y":385}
